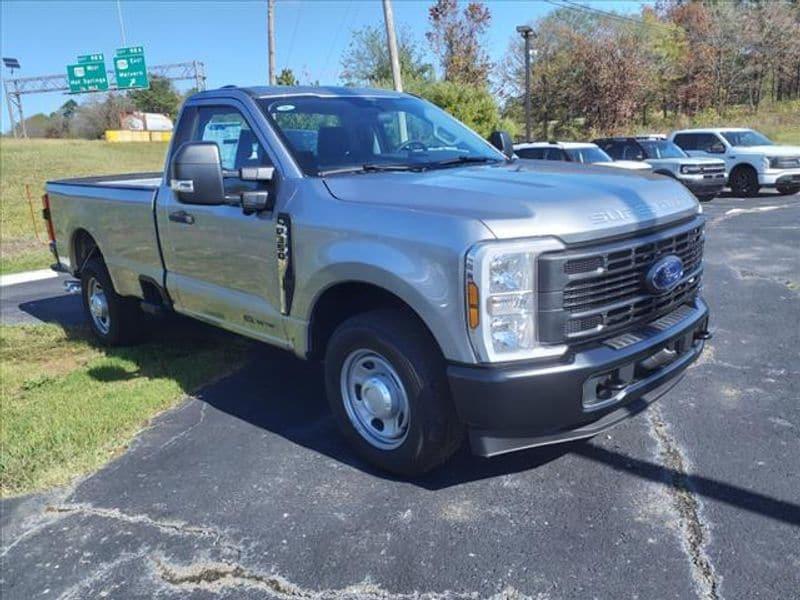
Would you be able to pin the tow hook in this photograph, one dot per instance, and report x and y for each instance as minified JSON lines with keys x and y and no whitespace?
{"x":703,"y":335}
{"x":72,"y":286}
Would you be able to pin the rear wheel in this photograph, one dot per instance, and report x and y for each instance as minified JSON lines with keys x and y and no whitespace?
{"x":386,"y":385}
{"x":788,"y":190}
{"x":113,"y":319}
{"x":744,"y":182}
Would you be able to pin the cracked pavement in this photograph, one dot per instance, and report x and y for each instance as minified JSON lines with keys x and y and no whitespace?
{"x":247,"y":491}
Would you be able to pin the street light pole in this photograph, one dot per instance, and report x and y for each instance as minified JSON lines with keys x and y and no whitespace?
{"x":527,"y":34}
{"x":271,"y":39}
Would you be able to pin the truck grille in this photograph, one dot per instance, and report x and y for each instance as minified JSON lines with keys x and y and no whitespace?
{"x":712,"y":169}
{"x":597,"y":292}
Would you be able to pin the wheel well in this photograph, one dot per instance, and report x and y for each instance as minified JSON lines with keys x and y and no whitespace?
{"x":667,"y":173}
{"x":345,"y":300}
{"x":83,"y":246}
{"x":743,"y":167}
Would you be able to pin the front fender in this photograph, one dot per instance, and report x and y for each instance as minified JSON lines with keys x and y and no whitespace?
{"x":428,"y":281}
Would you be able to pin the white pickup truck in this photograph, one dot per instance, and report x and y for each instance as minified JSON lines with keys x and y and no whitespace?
{"x":752,"y":160}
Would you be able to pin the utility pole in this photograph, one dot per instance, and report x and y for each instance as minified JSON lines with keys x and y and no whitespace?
{"x":391,"y":38}
{"x":526,"y":31}
{"x":121,"y":23}
{"x":271,"y":39}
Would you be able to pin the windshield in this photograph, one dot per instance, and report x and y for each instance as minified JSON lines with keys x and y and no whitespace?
{"x":334,"y":134}
{"x":661,"y":149}
{"x":588,"y":155}
{"x":746,"y":138}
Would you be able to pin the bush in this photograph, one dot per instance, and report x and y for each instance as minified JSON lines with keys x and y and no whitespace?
{"x":474,"y":106}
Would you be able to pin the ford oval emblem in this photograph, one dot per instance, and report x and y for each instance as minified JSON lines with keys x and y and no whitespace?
{"x":664,"y":274}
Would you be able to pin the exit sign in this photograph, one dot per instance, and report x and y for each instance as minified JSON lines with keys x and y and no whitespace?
{"x":130,"y":68}
{"x":87,"y":76}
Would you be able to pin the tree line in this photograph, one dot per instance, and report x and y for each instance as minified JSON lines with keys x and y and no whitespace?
{"x":597,"y":71}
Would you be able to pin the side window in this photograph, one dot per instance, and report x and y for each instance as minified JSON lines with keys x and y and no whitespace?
{"x":534,"y":153}
{"x":706,"y":140}
{"x":238,"y":145}
{"x":553,"y":154}
{"x":632,"y":152}
{"x":612,"y":149}
{"x":687,"y":141}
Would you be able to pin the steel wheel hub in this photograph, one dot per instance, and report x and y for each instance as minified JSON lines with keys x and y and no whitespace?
{"x":98,"y":306}
{"x":374,"y":399}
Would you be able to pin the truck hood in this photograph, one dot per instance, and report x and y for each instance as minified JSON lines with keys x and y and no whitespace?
{"x":573,"y":202}
{"x":769,"y":150}
{"x":688,"y":160}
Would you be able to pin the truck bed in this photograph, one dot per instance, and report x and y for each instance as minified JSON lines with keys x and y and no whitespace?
{"x":117,"y":211}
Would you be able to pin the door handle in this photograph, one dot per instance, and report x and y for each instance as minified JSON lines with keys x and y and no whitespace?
{"x":181,"y":216}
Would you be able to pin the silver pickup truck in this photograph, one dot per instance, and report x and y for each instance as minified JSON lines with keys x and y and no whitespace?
{"x":450,"y":290}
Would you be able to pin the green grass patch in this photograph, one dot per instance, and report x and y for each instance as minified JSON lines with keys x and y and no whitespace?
{"x":68,"y":406}
{"x":34,"y":162}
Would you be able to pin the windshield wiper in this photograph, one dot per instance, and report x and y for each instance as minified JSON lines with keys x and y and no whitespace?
{"x":371,"y":168}
{"x":462,"y":160}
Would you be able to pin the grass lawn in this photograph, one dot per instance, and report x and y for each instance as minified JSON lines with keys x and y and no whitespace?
{"x":35,"y":161}
{"x":68,"y":406}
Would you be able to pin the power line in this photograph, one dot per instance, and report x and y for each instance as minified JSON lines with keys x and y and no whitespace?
{"x":336,"y":37}
{"x":576,"y":7}
{"x":294,"y":30}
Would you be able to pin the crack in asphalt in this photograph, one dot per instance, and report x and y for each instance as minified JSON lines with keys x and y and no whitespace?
{"x":214,"y":577}
{"x":784,"y":281}
{"x":217,"y":537}
{"x":694,"y":530}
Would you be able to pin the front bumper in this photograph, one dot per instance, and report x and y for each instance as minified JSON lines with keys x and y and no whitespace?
{"x":509,"y":408}
{"x":704,"y":184}
{"x":776,"y":177}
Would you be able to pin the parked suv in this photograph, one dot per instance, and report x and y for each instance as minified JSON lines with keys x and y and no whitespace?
{"x":705,"y":177}
{"x":580,"y":152}
{"x":751,"y":158}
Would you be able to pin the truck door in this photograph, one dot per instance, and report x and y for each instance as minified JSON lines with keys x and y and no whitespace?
{"x":220,"y":263}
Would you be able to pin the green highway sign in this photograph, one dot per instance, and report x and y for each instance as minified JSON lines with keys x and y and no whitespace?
{"x":130,"y":68}
{"x":87,"y":77}
{"x":91,"y":58}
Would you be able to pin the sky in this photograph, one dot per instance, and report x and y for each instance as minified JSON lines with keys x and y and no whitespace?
{"x":228,"y":37}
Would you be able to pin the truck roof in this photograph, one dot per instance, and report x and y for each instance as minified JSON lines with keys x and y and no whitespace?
{"x":554,"y":144}
{"x":277,"y":91}
{"x":710,"y":130}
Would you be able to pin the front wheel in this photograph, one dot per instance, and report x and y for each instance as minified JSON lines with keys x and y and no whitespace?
{"x":788,"y":190}
{"x":386,"y":385}
{"x":113,"y":319}
{"x":744,"y":182}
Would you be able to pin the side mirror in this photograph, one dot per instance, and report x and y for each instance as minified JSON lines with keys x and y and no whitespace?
{"x":717,"y":148}
{"x":503,"y":142}
{"x":196,"y":176}
{"x":255,"y":202}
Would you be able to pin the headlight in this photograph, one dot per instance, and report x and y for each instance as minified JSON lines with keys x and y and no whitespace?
{"x":690,"y":169}
{"x":501,"y":299}
{"x":770,"y":161}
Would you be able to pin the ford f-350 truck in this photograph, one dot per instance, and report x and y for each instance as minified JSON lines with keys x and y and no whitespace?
{"x":450,"y":290}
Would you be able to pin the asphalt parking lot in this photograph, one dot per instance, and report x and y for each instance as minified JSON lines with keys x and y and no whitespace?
{"x":246,"y":489}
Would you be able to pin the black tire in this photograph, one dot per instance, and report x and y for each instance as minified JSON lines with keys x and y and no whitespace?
{"x":124,"y":317}
{"x":744,"y":182}
{"x":788,"y":190}
{"x":434,"y":432}
{"x":706,"y":197}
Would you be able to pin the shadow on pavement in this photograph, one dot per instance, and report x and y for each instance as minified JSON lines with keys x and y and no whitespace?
{"x":282,"y":394}
{"x":65,"y":310}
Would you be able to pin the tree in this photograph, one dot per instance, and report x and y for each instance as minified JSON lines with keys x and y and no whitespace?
{"x":286,"y":77}
{"x":97,"y":114}
{"x":457,"y":38}
{"x":366,"y":60}
{"x":160,"y":97}
{"x":472,"y":105}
